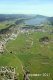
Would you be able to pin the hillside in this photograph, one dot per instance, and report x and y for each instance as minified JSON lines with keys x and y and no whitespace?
{"x":26,"y":44}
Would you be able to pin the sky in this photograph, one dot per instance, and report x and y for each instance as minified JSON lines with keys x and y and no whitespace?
{"x":42,"y":7}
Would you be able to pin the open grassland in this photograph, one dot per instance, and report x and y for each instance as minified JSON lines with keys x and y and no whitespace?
{"x":26,"y":51}
{"x":6,"y":23}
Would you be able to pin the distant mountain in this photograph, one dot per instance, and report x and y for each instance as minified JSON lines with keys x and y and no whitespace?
{"x":11,"y":16}
{"x":40,"y":16}
{"x":31,"y":19}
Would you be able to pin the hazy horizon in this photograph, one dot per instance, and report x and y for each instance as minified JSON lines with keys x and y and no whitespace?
{"x":27,"y":7}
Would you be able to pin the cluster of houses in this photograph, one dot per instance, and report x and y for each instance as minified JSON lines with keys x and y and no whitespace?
{"x":8,"y":73}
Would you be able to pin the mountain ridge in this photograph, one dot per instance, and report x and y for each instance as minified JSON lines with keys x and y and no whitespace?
{"x":38,"y":18}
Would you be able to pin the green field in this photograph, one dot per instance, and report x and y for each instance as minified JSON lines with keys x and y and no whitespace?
{"x":26,"y":52}
{"x":6,"y":23}
{"x":36,"y":57}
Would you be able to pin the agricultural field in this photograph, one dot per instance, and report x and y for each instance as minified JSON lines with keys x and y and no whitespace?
{"x":30,"y":51}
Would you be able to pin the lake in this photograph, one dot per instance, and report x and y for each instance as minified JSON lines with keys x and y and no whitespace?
{"x":34,"y":21}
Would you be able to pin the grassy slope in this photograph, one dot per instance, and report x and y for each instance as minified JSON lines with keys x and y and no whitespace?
{"x":32,"y":57}
{"x":6,"y":23}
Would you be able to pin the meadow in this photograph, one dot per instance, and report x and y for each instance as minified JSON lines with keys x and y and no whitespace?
{"x":26,"y":51}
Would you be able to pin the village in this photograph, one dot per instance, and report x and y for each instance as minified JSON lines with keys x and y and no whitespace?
{"x":23,"y":30}
{"x":8,"y":73}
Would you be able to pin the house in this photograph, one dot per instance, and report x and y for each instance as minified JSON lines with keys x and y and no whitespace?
{"x":1,"y":47}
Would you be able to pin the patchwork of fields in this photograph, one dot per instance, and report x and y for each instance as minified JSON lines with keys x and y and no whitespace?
{"x":37,"y":58}
{"x":27,"y":53}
